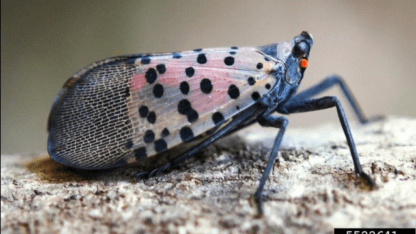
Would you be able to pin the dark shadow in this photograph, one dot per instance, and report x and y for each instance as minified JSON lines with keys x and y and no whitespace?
{"x":50,"y":171}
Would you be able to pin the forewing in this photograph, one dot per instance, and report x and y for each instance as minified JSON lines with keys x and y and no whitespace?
{"x":201,"y":89}
{"x":145,"y":104}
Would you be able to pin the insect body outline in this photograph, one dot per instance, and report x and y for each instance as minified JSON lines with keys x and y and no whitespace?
{"x":144,"y":105}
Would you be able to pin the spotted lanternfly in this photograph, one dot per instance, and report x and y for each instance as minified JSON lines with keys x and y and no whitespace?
{"x":145,"y":105}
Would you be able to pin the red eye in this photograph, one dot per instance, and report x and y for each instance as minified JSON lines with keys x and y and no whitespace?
{"x":303,"y":63}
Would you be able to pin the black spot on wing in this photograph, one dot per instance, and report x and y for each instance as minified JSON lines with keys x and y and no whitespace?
{"x":151,"y":117}
{"x":233,"y":92}
{"x":143,"y":111}
{"x":192,"y":116}
{"x":160,"y":145}
{"x":184,"y":107}
{"x":259,"y":66}
{"x":206,"y":85}
{"x":229,"y":61}
{"x":150,"y":75}
{"x":255,"y":96}
{"x":251,"y":81}
{"x":217,"y":118}
{"x":165,"y":133}
{"x":149,"y":136}
{"x":158,"y":90}
{"x":267,"y":86}
{"x":186,"y":134}
{"x":184,"y":87}
{"x":190,"y":71}
{"x":201,"y":59}
{"x":161,"y":68}
{"x":233,"y":50}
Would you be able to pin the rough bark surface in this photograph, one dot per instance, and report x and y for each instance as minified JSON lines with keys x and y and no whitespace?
{"x":312,"y":188}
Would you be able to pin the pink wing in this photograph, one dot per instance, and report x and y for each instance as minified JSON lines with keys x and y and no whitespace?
{"x":176,"y":98}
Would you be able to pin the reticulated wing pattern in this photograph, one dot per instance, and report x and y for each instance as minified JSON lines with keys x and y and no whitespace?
{"x":141,"y":105}
{"x":90,"y":128}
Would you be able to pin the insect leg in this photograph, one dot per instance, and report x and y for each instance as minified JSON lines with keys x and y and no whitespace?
{"x":299,"y":105}
{"x":328,"y":83}
{"x":277,"y":122}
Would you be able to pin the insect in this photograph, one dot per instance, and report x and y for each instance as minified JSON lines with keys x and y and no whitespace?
{"x":145,"y":105}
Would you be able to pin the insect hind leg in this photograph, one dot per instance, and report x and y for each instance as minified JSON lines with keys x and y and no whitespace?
{"x":329,"y":82}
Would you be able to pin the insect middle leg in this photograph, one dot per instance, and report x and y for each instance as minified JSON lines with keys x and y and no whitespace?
{"x":303,"y":105}
{"x":327,"y":83}
{"x":277,"y":122}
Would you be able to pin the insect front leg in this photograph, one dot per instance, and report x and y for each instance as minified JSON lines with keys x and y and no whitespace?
{"x":299,"y":105}
{"x":277,"y":122}
{"x":329,"y":82}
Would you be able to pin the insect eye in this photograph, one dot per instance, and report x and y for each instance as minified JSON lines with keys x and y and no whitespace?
{"x":300,"y":49}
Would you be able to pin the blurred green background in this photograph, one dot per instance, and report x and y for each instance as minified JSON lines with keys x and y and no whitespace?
{"x":370,"y":43}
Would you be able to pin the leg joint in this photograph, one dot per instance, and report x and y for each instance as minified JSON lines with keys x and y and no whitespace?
{"x":335,"y":79}
{"x":273,"y":121}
